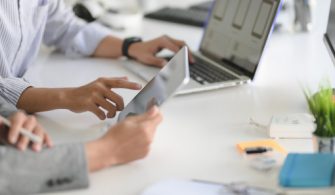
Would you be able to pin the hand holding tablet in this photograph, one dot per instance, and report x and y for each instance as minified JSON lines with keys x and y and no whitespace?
{"x":165,"y":84}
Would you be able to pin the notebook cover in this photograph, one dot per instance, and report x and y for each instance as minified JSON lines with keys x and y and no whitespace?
{"x":307,"y":170}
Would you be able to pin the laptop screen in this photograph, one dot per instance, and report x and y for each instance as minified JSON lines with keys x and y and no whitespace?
{"x":237,"y":31}
{"x":330,"y":34}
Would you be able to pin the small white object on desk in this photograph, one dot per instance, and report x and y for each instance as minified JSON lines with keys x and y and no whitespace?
{"x":300,"y":125}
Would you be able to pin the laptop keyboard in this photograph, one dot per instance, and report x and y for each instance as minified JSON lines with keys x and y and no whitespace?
{"x":204,"y":73}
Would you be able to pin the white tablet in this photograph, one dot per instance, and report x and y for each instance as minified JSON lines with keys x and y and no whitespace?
{"x":165,"y":84}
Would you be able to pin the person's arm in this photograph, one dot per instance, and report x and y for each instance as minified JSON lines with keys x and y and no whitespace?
{"x":12,"y":88}
{"x":59,"y":168}
{"x":91,"y":97}
{"x":71,"y":35}
{"x":77,"y":38}
{"x":144,"y":52}
{"x":66,"y":167}
{"x":127,"y":141}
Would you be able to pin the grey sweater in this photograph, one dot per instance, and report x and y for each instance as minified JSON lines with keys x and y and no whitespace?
{"x":59,"y":168}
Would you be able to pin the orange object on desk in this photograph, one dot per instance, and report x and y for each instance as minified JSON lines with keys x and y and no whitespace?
{"x":261,"y":143}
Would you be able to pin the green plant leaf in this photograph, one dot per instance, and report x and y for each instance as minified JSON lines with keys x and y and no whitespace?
{"x":322,"y":107}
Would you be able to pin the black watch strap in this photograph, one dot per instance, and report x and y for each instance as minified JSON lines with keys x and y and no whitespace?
{"x":127,"y":43}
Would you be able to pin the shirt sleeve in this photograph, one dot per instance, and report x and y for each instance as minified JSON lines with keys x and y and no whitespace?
{"x":70,"y":34}
{"x":6,"y":109}
{"x":11,"y":88}
{"x":59,"y":168}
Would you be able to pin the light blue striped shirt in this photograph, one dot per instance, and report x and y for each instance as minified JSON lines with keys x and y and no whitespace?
{"x":25,"y":24}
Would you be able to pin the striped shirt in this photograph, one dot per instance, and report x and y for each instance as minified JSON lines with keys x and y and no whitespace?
{"x":25,"y":24}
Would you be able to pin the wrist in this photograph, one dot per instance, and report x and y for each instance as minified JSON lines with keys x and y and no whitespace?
{"x":42,"y":99}
{"x":98,"y":155}
{"x":110,"y":47}
{"x":127,"y":44}
{"x":133,"y":48}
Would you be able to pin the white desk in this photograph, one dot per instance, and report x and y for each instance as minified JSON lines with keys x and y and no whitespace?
{"x":198,"y":136}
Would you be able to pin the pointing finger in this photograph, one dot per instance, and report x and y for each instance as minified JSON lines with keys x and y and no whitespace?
{"x":121,"y":83}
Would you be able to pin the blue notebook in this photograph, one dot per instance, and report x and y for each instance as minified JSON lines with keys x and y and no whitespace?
{"x":307,"y":170}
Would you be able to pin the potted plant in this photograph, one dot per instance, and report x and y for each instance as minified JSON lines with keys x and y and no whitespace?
{"x":322,"y":107}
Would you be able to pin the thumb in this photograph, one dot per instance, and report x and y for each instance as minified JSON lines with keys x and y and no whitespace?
{"x":153,"y":111}
{"x":150,"y":114}
{"x":155,"y":61}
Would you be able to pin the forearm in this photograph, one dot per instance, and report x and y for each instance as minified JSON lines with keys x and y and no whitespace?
{"x":12,"y":87}
{"x":60,"y":168}
{"x":42,"y":99}
{"x":109,"y":47}
{"x":97,"y":155}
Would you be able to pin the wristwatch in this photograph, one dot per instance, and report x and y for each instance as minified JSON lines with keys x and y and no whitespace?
{"x":127,"y":43}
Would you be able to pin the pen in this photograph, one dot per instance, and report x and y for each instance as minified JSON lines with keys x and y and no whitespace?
{"x":257,"y":150}
{"x":23,"y":131}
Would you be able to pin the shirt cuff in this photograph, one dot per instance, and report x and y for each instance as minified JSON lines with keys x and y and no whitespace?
{"x":6,"y":109}
{"x":12,"y":88}
{"x":87,"y":40}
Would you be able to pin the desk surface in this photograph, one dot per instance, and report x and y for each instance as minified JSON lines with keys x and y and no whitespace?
{"x":198,"y":135}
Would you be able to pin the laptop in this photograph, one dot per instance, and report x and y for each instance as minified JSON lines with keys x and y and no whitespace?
{"x":194,"y":17}
{"x":203,"y":6}
{"x":163,"y":86}
{"x":231,"y":48}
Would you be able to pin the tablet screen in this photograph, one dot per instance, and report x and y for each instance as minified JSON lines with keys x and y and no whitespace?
{"x":164,"y":85}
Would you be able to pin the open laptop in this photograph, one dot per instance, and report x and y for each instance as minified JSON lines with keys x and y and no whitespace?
{"x":329,"y":36}
{"x":164,"y":85}
{"x":231,"y":48}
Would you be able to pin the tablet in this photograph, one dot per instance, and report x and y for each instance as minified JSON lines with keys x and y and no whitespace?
{"x":164,"y":85}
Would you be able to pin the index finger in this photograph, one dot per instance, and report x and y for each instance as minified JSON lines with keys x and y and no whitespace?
{"x":121,"y":83}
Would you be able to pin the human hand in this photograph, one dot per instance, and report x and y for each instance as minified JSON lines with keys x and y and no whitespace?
{"x":99,"y":95}
{"x":20,"y":121}
{"x":127,"y":141}
{"x":145,"y":52}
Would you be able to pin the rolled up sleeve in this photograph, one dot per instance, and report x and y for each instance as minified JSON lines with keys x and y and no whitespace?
{"x":11,"y":88}
{"x":6,"y":109}
{"x":70,"y":34}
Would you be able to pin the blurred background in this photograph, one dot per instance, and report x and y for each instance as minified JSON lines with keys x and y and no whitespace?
{"x":296,"y":15}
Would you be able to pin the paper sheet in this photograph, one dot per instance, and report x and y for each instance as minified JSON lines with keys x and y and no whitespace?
{"x":192,"y":187}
